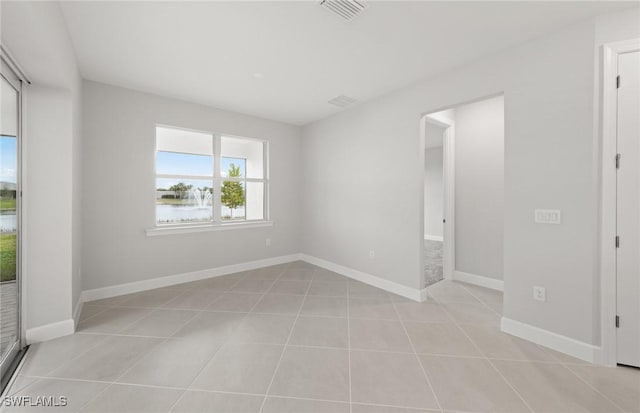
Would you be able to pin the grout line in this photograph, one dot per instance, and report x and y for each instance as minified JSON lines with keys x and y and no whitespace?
{"x":392,"y":406}
{"x":207,"y":310}
{"x":545,"y":349}
{"x":226,"y":340}
{"x":593,"y":387}
{"x":164,"y":340}
{"x":116,"y":334}
{"x":125,"y":371}
{"x":236,"y":393}
{"x":112,"y":383}
{"x":491,"y":363}
{"x":154,"y":386}
{"x":479,"y":299}
{"x":284,"y":348}
{"x":218,"y":391}
{"x":82,"y":353}
{"x":105,"y":308}
{"x":415,"y":354}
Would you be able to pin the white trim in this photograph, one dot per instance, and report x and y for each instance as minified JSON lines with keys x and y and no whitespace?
{"x":20,"y":83}
{"x":187,"y":229}
{"x":433,"y":237}
{"x":390,"y":286}
{"x":554,"y":341}
{"x":216,"y":180}
{"x":77,"y":311}
{"x":13,"y":64}
{"x":479,"y":280}
{"x":423,"y":294}
{"x":608,"y":196}
{"x":23,"y":247}
{"x":448,"y":238}
{"x":50,"y":331}
{"x":449,"y":245}
{"x":150,"y":284}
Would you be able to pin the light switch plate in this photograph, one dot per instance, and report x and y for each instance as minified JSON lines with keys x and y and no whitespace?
{"x":547,"y":216}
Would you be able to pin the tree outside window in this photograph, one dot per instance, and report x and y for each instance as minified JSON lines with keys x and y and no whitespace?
{"x":232,"y":194}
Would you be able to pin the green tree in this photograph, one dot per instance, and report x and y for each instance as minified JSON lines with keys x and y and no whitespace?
{"x":232,"y":194}
{"x":180,"y":189}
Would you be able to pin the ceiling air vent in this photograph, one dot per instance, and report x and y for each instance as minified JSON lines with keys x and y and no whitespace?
{"x":342,"y":101}
{"x":346,"y":9}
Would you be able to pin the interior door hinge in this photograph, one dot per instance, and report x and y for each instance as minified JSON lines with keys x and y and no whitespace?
{"x":618,"y":82}
{"x":617,"y":241}
{"x":617,"y":161}
{"x":617,"y":321}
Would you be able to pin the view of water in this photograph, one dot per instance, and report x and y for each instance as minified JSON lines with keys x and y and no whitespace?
{"x":8,"y":223}
{"x":182,"y":213}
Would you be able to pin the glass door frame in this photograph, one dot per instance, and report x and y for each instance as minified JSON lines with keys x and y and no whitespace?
{"x":9,"y":360}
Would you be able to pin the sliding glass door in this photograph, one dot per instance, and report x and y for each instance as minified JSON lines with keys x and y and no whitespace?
{"x":10,"y":331}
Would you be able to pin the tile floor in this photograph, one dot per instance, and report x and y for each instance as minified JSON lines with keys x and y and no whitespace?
{"x":296,"y":338}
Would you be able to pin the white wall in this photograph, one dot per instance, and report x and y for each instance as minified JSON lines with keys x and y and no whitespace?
{"x":433,"y":192}
{"x":118,"y":158}
{"x":367,"y":160}
{"x":36,"y":35}
{"x":48,"y":224}
{"x":479,"y":186}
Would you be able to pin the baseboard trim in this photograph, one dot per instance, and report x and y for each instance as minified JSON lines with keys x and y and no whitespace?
{"x":166,"y":281}
{"x":479,"y":280}
{"x":50,"y":331}
{"x":77,"y":311}
{"x":423,"y":295}
{"x":434,"y":237}
{"x":390,"y":286}
{"x":554,"y":341}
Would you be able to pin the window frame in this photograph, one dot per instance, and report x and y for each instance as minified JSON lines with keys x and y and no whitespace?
{"x":216,"y":180}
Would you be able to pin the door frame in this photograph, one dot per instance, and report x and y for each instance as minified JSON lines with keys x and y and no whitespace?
{"x":448,"y":174}
{"x":608,"y":200}
{"x":20,"y":84}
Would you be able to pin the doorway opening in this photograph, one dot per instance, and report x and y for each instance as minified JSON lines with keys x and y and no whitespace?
{"x":463,"y":194}
{"x":438,"y":196}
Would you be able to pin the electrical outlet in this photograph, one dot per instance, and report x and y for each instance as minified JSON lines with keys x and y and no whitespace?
{"x":539,"y":293}
{"x":372,"y":254}
{"x":268,"y":242}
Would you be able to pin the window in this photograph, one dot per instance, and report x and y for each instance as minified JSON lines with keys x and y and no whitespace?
{"x":208,"y":178}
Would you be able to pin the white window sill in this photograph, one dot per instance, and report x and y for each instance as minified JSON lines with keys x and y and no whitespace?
{"x":186,"y":229}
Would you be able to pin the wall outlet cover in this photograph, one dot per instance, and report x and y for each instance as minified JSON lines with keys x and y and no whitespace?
{"x":539,"y":293}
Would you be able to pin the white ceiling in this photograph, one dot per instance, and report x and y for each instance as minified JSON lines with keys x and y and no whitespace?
{"x":285,"y":60}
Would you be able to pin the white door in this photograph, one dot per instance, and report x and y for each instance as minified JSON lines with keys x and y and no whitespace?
{"x":628,"y":210}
